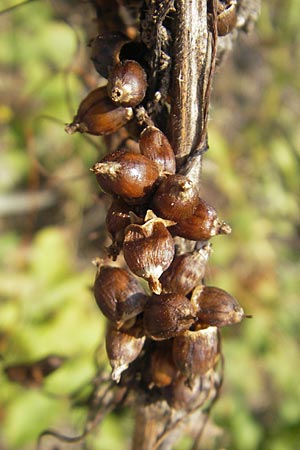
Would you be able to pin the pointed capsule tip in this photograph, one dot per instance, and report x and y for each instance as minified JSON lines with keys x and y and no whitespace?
{"x":155,"y":285}
{"x":224,"y":228}
{"x":71,"y":128}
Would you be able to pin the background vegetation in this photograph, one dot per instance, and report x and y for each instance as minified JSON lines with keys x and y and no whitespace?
{"x":51,"y":222}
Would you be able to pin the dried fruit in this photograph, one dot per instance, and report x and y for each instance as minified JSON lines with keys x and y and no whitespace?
{"x":117,"y":219}
{"x":202,"y":225}
{"x":127,"y":83}
{"x":130,"y":175}
{"x":105,"y":51}
{"x":162,"y":367}
{"x":149,"y":249}
{"x":227,"y":17}
{"x":183,"y":395}
{"x":196,"y":352}
{"x":123,"y":347}
{"x":216,"y":307}
{"x":176,"y":198}
{"x":118,"y":294}
{"x":155,"y":145}
{"x":98,"y":115}
{"x":186,"y":271}
{"x":167,"y":316}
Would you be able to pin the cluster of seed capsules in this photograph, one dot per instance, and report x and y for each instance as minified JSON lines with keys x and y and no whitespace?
{"x":173,"y":322}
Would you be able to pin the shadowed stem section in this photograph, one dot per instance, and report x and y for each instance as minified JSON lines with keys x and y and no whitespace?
{"x":190,"y":63}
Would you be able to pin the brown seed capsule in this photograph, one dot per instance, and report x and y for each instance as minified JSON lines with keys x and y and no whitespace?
{"x":155,"y":145}
{"x":105,"y":51}
{"x":98,"y":115}
{"x":216,"y":307}
{"x":176,"y":198}
{"x":149,"y":249}
{"x":127,"y":83}
{"x":183,"y":395}
{"x":123,"y":347}
{"x":167,"y":316}
{"x":130,"y":175}
{"x":202,"y":225}
{"x":118,"y":294}
{"x":185,"y":272}
{"x":226,"y":18}
{"x":117,"y":219}
{"x":162,"y":367}
{"x":196,"y":352}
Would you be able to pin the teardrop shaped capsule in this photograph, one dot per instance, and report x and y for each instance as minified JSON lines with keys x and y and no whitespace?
{"x":155,"y":145}
{"x":123,"y":347}
{"x":186,"y":271}
{"x":176,"y":198}
{"x":130,"y":175}
{"x":216,"y":307}
{"x":196,"y":352}
{"x":167,"y":316}
{"x":118,"y":294}
{"x":127,"y":83}
{"x":98,"y":115}
{"x":149,"y":250}
{"x":202,"y":225}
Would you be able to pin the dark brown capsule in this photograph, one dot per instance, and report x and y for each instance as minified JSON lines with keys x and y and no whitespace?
{"x":176,"y":198}
{"x":216,"y":307}
{"x":167,"y":316}
{"x":117,"y":219}
{"x":183,"y":395}
{"x":149,"y":250}
{"x":98,"y":115}
{"x":202,"y":225}
{"x":105,"y":50}
{"x":196,"y":352}
{"x":127,"y":83}
{"x":118,"y":294}
{"x":186,"y":271}
{"x":130,"y":175}
{"x":226,"y":17}
{"x":155,"y":145}
{"x":162,"y":368}
{"x":123,"y":347}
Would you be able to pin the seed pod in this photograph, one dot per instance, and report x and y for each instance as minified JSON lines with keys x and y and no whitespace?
{"x":216,"y":307}
{"x":98,"y":115}
{"x":196,"y":352}
{"x":185,"y":272}
{"x":105,"y":51}
{"x":162,"y":367}
{"x":130,"y":175}
{"x":117,"y":219}
{"x":202,"y":225}
{"x":183,"y":395}
{"x":226,"y":18}
{"x":176,"y":198}
{"x":127,"y":83}
{"x":149,"y":250}
{"x":167,"y":316}
{"x":122,"y":348}
{"x":155,"y":145}
{"x":118,"y":294}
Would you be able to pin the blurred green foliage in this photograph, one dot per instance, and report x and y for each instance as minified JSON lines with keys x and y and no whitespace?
{"x":250,"y":174}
